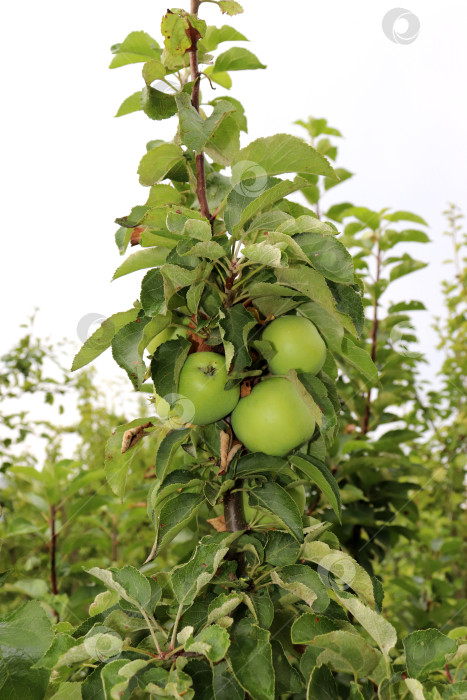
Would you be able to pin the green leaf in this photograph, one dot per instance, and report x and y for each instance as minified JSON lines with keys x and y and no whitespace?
{"x":257,"y":462}
{"x":211,"y":250}
{"x":157,"y":162}
{"x":282,"y":549}
{"x":189,"y":578}
{"x":224,"y":685}
{"x":175,"y":480}
{"x":135,"y":584}
{"x":405,"y":216}
{"x":199,"y":229}
{"x":392,"y":238}
{"x":406,"y":267}
{"x":142,"y":259}
{"x":101,"y":339}
{"x":153,"y":70}
{"x":166,"y":365}
{"x":272,"y":498}
{"x":163,"y":194}
{"x":320,"y":475}
{"x":425,"y":651}
{"x":355,"y":693}
{"x":312,"y":284}
{"x":328,"y":256}
{"x":250,"y":655}
{"x":68,"y":691}
{"x":349,"y":301}
{"x":175,"y":28}
{"x":359,"y":359}
{"x":331,"y":329}
{"x":222,"y":79}
{"x":102,"y":602}
{"x":279,"y":154}
{"x":407,"y":306}
{"x":167,"y":450}
{"x":156,"y":104}
{"x":125,"y":351}
{"x":224,"y":144}
{"x":287,"y":678}
{"x":223,"y":605}
{"x":131,"y":104}
{"x":25,"y":635}
{"x":162,"y":682}
{"x":347,"y":652}
{"x":342,"y":174}
{"x":136,"y":48}
{"x":213,"y":642}
{"x":308,"y":626}
{"x":377,"y":627}
{"x":245,"y":208}
{"x":230,"y":7}
{"x":366,"y":216}
{"x":237,"y":58}
{"x":342,"y":566}
{"x":174,"y":515}
{"x":153,"y":292}
{"x":195,"y":131}
{"x":217,"y":35}
{"x":303,"y":582}
{"x":117,"y":464}
{"x":235,"y":324}
{"x":322,"y":685}
{"x":306,"y":224}
{"x":132,"y":587}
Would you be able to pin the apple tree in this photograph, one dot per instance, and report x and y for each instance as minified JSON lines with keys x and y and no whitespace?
{"x":267,"y":603}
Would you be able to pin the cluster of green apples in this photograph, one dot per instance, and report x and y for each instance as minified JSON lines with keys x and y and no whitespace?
{"x":273,"y":419}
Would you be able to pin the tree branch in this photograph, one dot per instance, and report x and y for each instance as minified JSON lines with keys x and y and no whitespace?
{"x":233,"y":510}
{"x":374,"y":335}
{"x":196,"y":78}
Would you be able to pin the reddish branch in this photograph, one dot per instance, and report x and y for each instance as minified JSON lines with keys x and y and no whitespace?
{"x":374,"y":335}
{"x":196,"y":78}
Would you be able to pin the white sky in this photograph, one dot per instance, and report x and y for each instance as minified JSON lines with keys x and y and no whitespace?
{"x":69,"y":167}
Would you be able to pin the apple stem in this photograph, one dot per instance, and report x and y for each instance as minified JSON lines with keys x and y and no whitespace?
{"x":233,"y":509}
{"x":196,"y":78}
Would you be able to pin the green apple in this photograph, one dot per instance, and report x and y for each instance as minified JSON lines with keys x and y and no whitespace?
{"x":273,"y":419}
{"x":202,"y":382}
{"x":297,"y":343}
{"x":169,"y":333}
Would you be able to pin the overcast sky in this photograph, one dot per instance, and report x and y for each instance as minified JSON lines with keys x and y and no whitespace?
{"x":69,"y":167}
